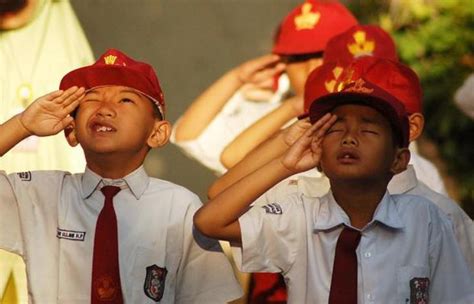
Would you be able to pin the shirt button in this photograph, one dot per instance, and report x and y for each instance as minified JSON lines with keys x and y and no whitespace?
{"x":368,"y":254}
{"x":370,"y":297}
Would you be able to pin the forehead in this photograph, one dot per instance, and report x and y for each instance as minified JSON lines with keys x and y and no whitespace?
{"x":361,"y":113}
{"x":105,"y":90}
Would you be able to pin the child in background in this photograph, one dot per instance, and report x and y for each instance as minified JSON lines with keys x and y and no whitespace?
{"x":223,"y":111}
{"x":358,"y":243}
{"x":111,"y":234}
{"x":415,"y":180}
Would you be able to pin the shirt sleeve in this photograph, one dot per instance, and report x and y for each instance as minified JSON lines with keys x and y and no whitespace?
{"x":205,"y":274}
{"x":451,"y":278}
{"x":207,"y":147}
{"x":10,"y":228}
{"x":272,"y":236}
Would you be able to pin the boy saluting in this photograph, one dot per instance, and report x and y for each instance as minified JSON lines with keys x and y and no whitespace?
{"x":112,"y":234}
{"x":358,"y":243}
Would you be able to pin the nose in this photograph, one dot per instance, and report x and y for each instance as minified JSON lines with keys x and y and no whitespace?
{"x":349,"y":140}
{"x":106,"y":109}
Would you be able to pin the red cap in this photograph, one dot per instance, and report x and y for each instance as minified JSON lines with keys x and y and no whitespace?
{"x":380,"y":83}
{"x":308,"y":27}
{"x":359,"y":41}
{"x":114,"y":68}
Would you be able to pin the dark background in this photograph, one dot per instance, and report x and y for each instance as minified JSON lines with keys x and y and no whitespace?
{"x":190,"y":43}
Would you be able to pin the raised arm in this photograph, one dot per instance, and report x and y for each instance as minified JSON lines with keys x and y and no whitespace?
{"x":270,"y":149}
{"x":260,"y":131}
{"x":203,"y":110}
{"x":219,"y":217}
{"x":48,"y":115}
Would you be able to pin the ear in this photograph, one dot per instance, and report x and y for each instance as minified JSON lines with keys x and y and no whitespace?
{"x":400,"y":162}
{"x":417,"y":123}
{"x":160,"y":134}
{"x":70,"y":134}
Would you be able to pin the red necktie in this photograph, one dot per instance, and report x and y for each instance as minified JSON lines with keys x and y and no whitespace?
{"x":344,"y":273}
{"x":105,"y":266}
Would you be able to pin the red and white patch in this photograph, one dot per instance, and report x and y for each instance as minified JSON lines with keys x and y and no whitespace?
{"x":419,"y":290}
{"x":155,"y":282}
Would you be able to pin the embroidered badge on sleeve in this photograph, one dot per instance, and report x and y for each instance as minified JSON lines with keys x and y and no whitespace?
{"x":419,"y":288}
{"x":155,"y":282}
{"x":273,"y":208}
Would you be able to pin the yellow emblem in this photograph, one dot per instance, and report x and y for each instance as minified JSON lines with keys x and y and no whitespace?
{"x":359,"y":87}
{"x":346,"y":80}
{"x":307,"y":19}
{"x":331,"y":85}
{"x":110,"y":59}
{"x":361,"y":46}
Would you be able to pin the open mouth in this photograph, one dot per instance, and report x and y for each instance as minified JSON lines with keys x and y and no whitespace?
{"x":347,"y":156}
{"x":102,"y":128}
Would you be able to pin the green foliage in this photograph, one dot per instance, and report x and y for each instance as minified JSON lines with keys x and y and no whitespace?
{"x":436,"y":38}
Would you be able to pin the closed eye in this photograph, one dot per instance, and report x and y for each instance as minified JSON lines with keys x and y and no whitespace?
{"x":334,"y":131}
{"x":90,"y":100}
{"x":126,"y":100}
{"x":370,"y":132}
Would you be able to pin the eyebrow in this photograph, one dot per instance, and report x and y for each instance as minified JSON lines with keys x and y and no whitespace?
{"x":131,"y":92}
{"x":371,"y":121}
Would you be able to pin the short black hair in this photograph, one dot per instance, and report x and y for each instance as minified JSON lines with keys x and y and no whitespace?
{"x":301,"y":57}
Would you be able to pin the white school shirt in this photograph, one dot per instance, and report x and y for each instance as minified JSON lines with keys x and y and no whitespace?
{"x":408,"y":242}
{"x":49,"y":218}
{"x":405,"y":182}
{"x":236,"y":116}
{"x":463,"y":226}
{"x":426,"y":171}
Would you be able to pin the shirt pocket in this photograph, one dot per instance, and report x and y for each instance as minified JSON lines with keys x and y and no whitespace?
{"x":152,"y":277}
{"x":413,"y":284}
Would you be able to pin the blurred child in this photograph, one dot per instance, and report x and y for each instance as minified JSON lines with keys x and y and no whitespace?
{"x":226,"y":108}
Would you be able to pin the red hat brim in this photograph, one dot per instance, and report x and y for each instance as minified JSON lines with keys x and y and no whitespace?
{"x":91,"y":77}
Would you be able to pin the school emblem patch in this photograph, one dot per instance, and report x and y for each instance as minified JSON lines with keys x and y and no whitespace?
{"x":419,"y":290}
{"x":155,"y":282}
{"x":273,"y":208}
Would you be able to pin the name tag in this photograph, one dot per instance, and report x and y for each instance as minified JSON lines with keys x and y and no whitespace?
{"x":71,"y":235}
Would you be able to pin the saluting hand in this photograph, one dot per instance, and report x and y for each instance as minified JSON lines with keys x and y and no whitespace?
{"x":306,"y":152}
{"x":257,"y":76}
{"x":292,"y":133}
{"x":49,"y":114}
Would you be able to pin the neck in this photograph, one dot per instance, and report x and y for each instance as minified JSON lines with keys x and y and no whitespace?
{"x":19,"y":18}
{"x":359,"y":199}
{"x":113,"y":166}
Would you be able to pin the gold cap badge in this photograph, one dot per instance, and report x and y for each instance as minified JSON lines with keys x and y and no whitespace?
{"x":110,"y":59}
{"x":331,"y":85}
{"x":306,"y":20}
{"x":361,"y":46}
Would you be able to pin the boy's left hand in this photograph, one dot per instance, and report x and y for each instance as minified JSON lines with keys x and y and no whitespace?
{"x":49,"y":114}
{"x":306,"y":152}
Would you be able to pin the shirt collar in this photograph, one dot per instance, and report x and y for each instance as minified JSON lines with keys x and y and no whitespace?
{"x":404,"y":181}
{"x":137,"y":181}
{"x":331,"y":215}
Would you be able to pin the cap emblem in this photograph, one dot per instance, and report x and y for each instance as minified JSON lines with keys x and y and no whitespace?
{"x":331,"y":84}
{"x":361,"y":46}
{"x":110,"y":59}
{"x":307,"y":20}
{"x":359,"y":87}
